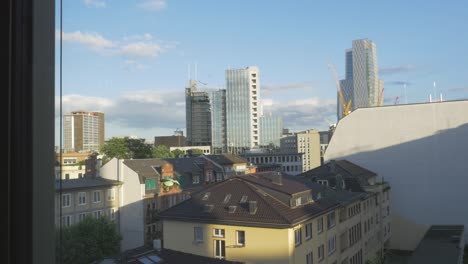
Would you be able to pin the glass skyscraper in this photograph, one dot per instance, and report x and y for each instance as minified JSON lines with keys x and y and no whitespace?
{"x":361,"y":84}
{"x":271,"y":130}
{"x":218,"y":121}
{"x":242,"y":115}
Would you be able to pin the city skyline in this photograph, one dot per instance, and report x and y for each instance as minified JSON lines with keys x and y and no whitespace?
{"x":144,"y":55}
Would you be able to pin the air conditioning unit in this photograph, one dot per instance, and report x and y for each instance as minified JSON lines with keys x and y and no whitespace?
{"x":157,"y":244}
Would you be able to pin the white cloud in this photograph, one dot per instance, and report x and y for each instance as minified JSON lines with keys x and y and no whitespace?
{"x":136,"y":46}
{"x":132,"y":64}
{"x":90,"y":39}
{"x":154,"y":5}
{"x":141,"y":49}
{"x":95,"y":3}
{"x":304,"y":113}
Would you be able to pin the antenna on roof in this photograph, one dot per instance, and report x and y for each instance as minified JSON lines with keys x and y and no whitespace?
{"x":435,"y":94}
{"x":430,"y":98}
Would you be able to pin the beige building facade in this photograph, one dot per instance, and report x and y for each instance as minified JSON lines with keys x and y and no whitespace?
{"x":306,"y":142}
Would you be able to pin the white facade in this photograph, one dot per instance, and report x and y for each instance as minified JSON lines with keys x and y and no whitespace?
{"x":421,"y":150}
{"x":70,"y":172}
{"x":242,"y":115}
{"x":205,"y":149}
{"x":132,"y":225}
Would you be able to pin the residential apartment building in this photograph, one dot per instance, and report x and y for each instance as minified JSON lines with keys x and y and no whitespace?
{"x":95,"y":197}
{"x":307,"y":142}
{"x":362,"y":84}
{"x":197,"y":116}
{"x":242,"y":113}
{"x":273,"y":218}
{"x":218,"y":121}
{"x":83,"y":131}
{"x":69,"y":172}
{"x":374,"y":211}
{"x":149,"y":186}
{"x":232,"y":164}
{"x":71,"y":158}
{"x":289,"y":163}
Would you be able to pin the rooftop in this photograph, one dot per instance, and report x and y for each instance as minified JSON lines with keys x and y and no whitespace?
{"x":228,"y":202}
{"x":226,"y":159}
{"x":85,"y":183}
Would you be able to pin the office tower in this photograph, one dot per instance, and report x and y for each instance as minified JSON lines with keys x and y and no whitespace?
{"x":198,"y":116}
{"x":271,"y":130}
{"x":218,"y":121}
{"x":242,"y":93}
{"x":361,"y":84}
{"x":83,"y":131}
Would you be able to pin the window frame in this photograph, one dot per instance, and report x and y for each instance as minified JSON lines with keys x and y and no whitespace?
{"x":94,"y":196}
{"x":297,"y":236}
{"x":308,"y":237}
{"x":79,"y":198}
{"x":110,"y":191}
{"x":69,"y":200}
{"x":219,"y":232}
{"x":237,"y":238}
{"x":320,"y":225}
{"x":198,"y":230}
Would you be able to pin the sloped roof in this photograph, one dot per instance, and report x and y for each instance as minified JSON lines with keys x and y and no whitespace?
{"x":145,"y":167}
{"x":85,"y":183}
{"x":226,"y":159}
{"x":270,"y":211}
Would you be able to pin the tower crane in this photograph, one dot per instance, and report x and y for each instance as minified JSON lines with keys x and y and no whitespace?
{"x":346,"y":106}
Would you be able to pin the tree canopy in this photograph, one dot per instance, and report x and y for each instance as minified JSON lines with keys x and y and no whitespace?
{"x":126,"y":148}
{"x":89,"y":240}
{"x":162,"y":152}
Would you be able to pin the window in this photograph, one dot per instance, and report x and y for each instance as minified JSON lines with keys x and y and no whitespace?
{"x":331,"y":245}
{"x":112,"y":213}
{"x":66,"y":200}
{"x":198,"y":234}
{"x":150,"y":184}
{"x":388,"y":210}
{"x":308,"y":231}
{"x":110,"y":194}
{"x":66,"y":220}
{"x":321,"y":252}
{"x":81,"y":198}
{"x":97,"y":214}
{"x":80,"y":175}
{"x":97,"y":196}
{"x":219,"y":249}
{"x":309,"y":258}
{"x":81,"y":217}
{"x":240,"y":237}
{"x":196,"y":179}
{"x":298,"y":201}
{"x":331,"y":220}
{"x":297,"y":236}
{"x":218,"y":232}
{"x":320,"y":225}
{"x":67,"y":176}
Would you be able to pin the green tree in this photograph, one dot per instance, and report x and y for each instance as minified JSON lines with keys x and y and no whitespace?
{"x":138,"y":149}
{"x":115,"y":148}
{"x":162,"y":152}
{"x":197,"y":151}
{"x":91,"y":239}
{"x":177,"y":152}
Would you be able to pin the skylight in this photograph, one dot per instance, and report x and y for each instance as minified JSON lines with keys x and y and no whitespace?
{"x":226,"y":199}
{"x":206,"y":196}
{"x":243,"y":199}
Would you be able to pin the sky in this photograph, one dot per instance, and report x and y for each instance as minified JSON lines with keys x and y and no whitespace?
{"x":131,"y":58}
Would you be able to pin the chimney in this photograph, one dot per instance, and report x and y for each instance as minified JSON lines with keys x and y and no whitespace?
{"x":276,"y":178}
{"x":333,"y":166}
{"x":252,"y":207}
{"x":339,"y":182}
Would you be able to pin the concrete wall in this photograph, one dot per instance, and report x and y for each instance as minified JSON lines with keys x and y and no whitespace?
{"x":421,"y":150}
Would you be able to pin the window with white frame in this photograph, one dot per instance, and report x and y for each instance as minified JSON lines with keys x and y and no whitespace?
{"x":308,"y":231}
{"x":309,"y":258}
{"x":240,"y":238}
{"x":195,"y":179}
{"x":218,"y":232}
{"x":81,"y":198}
{"x":331,"y":220}
{"x":110,"y":194}
{"x":331,"y":245}
{"x":81,"y":217}
{"x":112,"y":213}
{"x":298,"y":201}
{"x":97,"y":214}
{"x":320,"y":225}
{"x":66,"y":200}
{"x":97,"y":196}
{"x":66,"y":220}
{"x":297,"y":236}
{"x":198,"y":234}
{"x":321,"y":252}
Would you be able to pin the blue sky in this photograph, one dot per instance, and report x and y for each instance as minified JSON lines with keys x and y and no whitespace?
{"x":129,"y":58}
